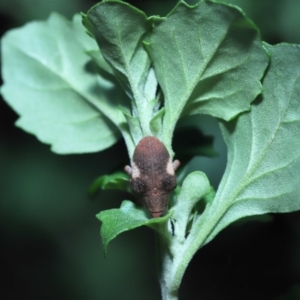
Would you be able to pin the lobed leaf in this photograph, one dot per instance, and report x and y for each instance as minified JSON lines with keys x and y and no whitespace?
{"x":133,"y":124}
{"x":157,"y":122}
{"x":194,"y":187}
{"x":119,"y":29}
{"x":208,"y":58}
{"x":127,"y":217}
{"x":98,"y":59}
{"x":115,"y":181}
{"x":262,"y":175}
{"x":49,"y":83}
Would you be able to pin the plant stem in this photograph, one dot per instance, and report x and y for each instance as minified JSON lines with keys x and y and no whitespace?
{"x":167,"y":263}
{"x":178,"y":254}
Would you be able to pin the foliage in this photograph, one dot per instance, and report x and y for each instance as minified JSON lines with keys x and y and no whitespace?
{"x":201,"y":59}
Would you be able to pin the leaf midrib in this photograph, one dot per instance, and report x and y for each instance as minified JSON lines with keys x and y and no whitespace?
{"x":206,"y":63}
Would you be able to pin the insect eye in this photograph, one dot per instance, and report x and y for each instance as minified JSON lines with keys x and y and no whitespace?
{"x":169,"y":183}
{"x":139,"y":186}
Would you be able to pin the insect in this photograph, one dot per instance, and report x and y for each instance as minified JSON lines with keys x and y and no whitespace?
{"x":152,"y":174}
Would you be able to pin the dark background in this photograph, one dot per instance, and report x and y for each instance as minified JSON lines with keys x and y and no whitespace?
{"x":50,"y":246}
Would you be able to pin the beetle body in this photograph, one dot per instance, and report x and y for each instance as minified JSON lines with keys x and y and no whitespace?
{"x":152,"y":174}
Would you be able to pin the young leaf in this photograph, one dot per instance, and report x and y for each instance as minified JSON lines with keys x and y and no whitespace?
{"x":115,"y":181}
{"x":207,"y":57}
{"x":262,"y":175}
{"x":194,"y":187}
{"x":98,"y":59}
{"x":134,"y":127}
{"x":47,"y":82}
{"x":127,"y":217}
{"x":119,"y":29}
{"x":156,"y":122}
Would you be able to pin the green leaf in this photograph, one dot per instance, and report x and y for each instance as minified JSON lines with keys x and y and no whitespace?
{"x":127,"y":217}
{"x":157,"y":122}
{"x":194,"y":187}
{"x":97,"y":57}
{"x":262,"y":175}
{"x":115,"y":181}
{"x":47,"y":82}
{"x":209,"y":59}
{"x":119,"y":29}
{"x":257,"y":218}
{"x":134,"y":127}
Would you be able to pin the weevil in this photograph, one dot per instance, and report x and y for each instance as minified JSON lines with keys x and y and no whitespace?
{"x":152,"y":174}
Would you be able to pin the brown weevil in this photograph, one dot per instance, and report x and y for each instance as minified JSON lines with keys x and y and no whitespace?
{"x":152,"y":174}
